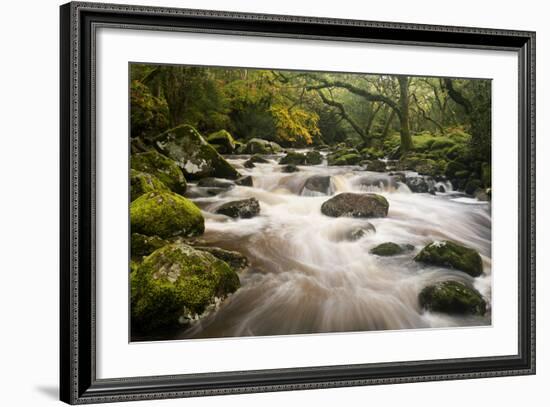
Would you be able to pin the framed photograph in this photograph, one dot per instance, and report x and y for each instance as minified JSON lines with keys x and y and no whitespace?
{"x":255,"y":203}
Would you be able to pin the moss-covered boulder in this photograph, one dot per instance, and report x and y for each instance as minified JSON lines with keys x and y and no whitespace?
{"x":452,"y":297}
{"x":486,"y":174}
{"x":344,"y":156}
{"x":236,"y":260}
{"x":452,"y":255}
{"x":160,"y":166}
{"x":165,"y":214}
{"x":244,"y":208}
{"x":175,"y":283}
{"x":196,"y":158}
{"x":261,"y":146}
{"x":142,"y":245}
{"x":293,"y":158}
{"x":390,"y":249}
{"x":314,"y":158}
{"x":472,"y":186}
{"x":356,"y":205}
{"x":222,"y":141}
{"x":141,"y":183}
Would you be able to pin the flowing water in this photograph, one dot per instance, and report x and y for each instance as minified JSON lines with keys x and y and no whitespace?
{"x":307,"y":276}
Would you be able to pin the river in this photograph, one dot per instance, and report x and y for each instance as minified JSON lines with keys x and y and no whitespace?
{"x":307,"y":276}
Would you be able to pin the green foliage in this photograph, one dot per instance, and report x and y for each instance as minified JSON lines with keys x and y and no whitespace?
{"x":148,"y":114}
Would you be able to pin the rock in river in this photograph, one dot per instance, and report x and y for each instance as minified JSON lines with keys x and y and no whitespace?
{"x":165,"y":214}
{"x":452,"y":297}
{"x":175,"y":283}
{"x":318,"y":183}
{"x":245,"y":208}
{"x":452,"y":255}
{"x":160,"y":166}
{"x":356,"y":205}
{"x":196,"y":158}
{"x":390,"y":249}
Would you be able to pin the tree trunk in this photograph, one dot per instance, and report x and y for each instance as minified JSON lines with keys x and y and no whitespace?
{"x":387,"y":126}
{"x":406,"y":140}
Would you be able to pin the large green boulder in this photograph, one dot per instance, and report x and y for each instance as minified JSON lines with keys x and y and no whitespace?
{"x":175,"y":284}
{"x":293,"y":158}
{"x":222,"y":141}
{"x":356,"y":205}
{"x":452,"y":255}
{"x":160,"y":166}
{"x":141,"y":245}
{"x":452,"y":297}
{"x":165,"y":214}
{"x":142,"y":182}
{"x":196,"y":158}
{"x":261,"y":146}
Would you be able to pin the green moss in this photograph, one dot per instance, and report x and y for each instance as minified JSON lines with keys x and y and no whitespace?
{"x":192,"y":153}
{"x":141,"y":183}
{"x":148,"y":114}
{"x":223,"y":140}
{"x":293,"y":158}
{"x":346,"y":159}
{"x":261,"y":146}
{"x":486,"y":174}
{"x":176,"y":282}
{"x":313,"y":158}
{"x":442,"y":143}
{"x":387,"y":249}
{"x":452,"y":297}
{"x":449,"y":254}
{"x":142,"y":245}
{"x":165,"y":214}
{"x":453,"y":167}
{"x":160,"y":166}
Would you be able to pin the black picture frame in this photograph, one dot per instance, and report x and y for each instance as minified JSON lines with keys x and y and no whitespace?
{"x":78,"y":382}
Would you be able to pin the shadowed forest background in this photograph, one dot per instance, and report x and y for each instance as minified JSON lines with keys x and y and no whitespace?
{"x":268,"y":202}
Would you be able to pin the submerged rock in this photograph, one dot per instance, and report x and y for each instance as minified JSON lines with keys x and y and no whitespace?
{"x":165,"y":214}
{"x":160,"y":166}
{"x":313,"y":158}
{"x":452,"y":255}
{"x":256,"y":158}
{"x":390,"y":249}
{"x":261,"y":146}
{"x":175,"y":283}
{"x":141,"y":183}
{"x":215,"y":183}
{"x":290,"y":168}
{"x":356,"y":205}
{"x":452,"y":297}
{"x":236,"y":260}
{"x":222,"y":141}
{"x":420,"y":184}
{"x":293,"y":158}
{"x":245,"y":181}
{"x":318,"y":183}
{"x":359,"y":232}
{"x":196,"y":158}
{"x":245,"y":208}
